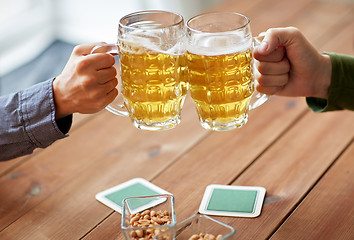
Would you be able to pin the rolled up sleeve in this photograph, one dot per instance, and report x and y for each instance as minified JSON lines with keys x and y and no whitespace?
{"x":28,"y":122}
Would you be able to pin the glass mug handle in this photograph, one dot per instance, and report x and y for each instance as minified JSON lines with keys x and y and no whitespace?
{"x":258,"y":98}
{"x":117,"y":107}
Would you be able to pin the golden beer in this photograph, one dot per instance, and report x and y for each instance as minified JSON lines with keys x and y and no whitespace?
{"x":153,"y":85}
{"x":221,"y":87}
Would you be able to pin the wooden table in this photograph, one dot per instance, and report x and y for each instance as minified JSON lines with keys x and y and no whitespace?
{"x":304,"y":160}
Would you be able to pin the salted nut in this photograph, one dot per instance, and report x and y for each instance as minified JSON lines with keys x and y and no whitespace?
{"x":148,"y":219}
{"x":207,"y":236}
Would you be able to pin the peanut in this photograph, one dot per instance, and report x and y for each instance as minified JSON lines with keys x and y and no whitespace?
{"x":146,"y":212}
{"x":148,"y":219}
{"x":144,"y":222}
{"x":207,"y":236}
{"x":194,"y":237}
{"x":134,"y":219}
{"x":139,"y":233}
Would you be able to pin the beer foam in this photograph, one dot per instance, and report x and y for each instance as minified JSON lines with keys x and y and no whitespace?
{"x":142,"y":41}
{"x":221,"y":44}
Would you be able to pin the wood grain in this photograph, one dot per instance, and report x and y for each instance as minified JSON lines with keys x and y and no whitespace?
{"x":328,"y":206}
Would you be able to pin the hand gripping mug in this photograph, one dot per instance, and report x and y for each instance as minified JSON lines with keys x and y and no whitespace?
{"x":220,"y":65}
{"x":152,"y":63}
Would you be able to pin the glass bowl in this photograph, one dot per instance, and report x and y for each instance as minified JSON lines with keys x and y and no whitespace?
{"x":198,"y":224}
{"x":145,"y":217}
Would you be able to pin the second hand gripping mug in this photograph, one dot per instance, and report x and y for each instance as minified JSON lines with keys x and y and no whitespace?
{"x":151,"y":50}
{"x":220,"y":64}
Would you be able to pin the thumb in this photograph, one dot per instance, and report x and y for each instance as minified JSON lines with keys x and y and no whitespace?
{"x":274,"y":38}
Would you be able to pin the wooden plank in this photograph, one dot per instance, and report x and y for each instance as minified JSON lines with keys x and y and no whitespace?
{"x":331,"y":16}
{"x":6,"y":166}
{"x":266,"y":14}
{"x":46,"y":191}
{"x":218,"y":158}
{"x":328,"y":211}
{"x":277,"y":14}
{"x":243,"y":7}
{"x":343,"y":41}
{"x":288,"y":170}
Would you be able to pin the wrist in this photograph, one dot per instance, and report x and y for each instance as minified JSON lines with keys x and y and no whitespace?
{"x":60,"y":110}
{"x":323,"y":79}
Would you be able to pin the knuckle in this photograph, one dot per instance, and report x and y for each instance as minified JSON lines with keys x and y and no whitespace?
{"x":265,"y":90}
{"x":110,"y":73}
{"x":270,"y":30}
{"x":105,"y":58}
{"x":77,"y":49}
{"x":114,"y":94}
{"x":262,"y":68}
{"x":261,"y":80}
{"x":83,"y":65}
{"x":293,"y":29}
{"x":114,"y":82}
{"x":110,"y":58}
{"x":87,"y":81}
{"x":114,"y":71}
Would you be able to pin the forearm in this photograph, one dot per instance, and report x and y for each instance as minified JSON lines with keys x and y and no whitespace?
{"x":27,"y":121}
{"x":322,"y":80}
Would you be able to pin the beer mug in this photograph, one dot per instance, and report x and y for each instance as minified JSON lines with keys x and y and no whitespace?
{"x":220,"y":64}
{"x":151,"y":50}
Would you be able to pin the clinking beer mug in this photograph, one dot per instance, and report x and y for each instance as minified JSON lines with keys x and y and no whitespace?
{"x":151,"y":50}
{"x":220,"y":65}
{"x":158,"y":60}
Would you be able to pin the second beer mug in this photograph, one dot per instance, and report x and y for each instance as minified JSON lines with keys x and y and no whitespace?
{"x":220,"y":63}
{"x":151,"y":53}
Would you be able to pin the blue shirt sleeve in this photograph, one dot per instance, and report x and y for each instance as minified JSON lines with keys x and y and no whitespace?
{"x":27,"y":121}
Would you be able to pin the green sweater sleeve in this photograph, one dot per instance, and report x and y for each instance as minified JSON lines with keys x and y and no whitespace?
{"x":341,"y":90}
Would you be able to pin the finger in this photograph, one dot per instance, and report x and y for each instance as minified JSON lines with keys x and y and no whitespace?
{"x":100,"y":92}
{"x":95,"y":62}
{"x":102,"y":60}
{"x":111,"y":96}
{"x":106,"y":74}
{"x":103,"y":89}
{"x":85,"y":49}
{"x":109,"y":86}
{"x":274,"y":56}
{"x":99,"y":101}
{"x":273,"y":68}
{"x":273,"y":80}
{"x":268,"y":90}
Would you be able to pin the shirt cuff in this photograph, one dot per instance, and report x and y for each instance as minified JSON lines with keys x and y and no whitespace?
{"x":38,"y":114}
